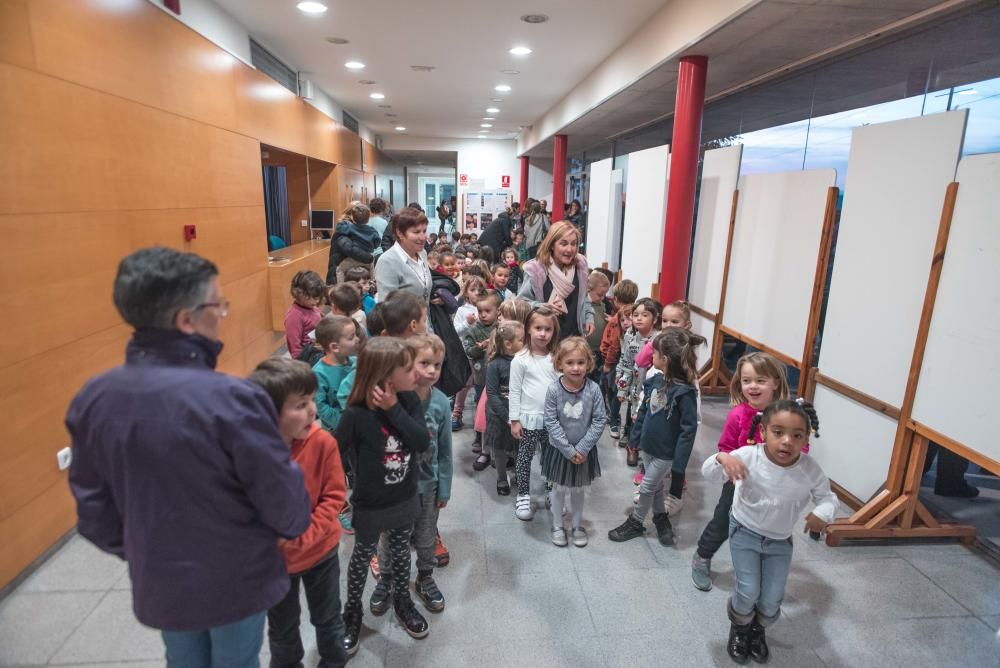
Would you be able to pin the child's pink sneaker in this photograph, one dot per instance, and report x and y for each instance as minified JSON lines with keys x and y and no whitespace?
{"x":637,"y":480}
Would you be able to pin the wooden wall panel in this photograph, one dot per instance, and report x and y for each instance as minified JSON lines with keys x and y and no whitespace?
{"x":120,"y":125}
{"x":16,"y":46}
{"x":94,"y":152}
{"x":168,"y":65}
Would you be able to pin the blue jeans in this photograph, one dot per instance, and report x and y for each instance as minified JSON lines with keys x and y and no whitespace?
{"x":761,"y":566}
{"x":235,"y":645}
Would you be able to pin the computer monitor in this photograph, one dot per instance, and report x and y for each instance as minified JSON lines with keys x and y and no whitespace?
{"x":321,"y":219}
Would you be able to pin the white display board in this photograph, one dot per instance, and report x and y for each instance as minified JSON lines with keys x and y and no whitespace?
{"x":599,"y":227}
{"x":479,"y":209}
{"x":897,"y":174}
{"x":645,"y":216}
{"x":855,"y":443}
{"x":617,"y":219}
{"x":776,"y":240}
{"x":961,"y":365}
{"x":705,"y":327}
{"x":719,"y":175}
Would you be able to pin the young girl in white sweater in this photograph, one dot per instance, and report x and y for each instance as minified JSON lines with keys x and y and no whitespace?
{"x":774,"y":484}
{"x":531,"y":374}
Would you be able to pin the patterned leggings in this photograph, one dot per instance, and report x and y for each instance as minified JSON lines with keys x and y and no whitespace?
{"x":531,"y":440}
{"x":357,"y":569}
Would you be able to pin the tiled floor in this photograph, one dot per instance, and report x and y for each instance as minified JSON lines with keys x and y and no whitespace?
{"x":515,"y":599}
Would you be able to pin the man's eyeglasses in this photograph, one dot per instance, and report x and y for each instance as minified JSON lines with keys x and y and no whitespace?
{"x":223,"y":307}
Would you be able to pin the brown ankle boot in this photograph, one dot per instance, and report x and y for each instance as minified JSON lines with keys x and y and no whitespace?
{"x":633,"y":457}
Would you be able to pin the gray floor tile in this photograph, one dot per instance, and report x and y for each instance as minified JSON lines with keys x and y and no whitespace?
{"x":111,"y":633}
{"x":902,"y":592}
{"x":601,"y":554}
{"x":972,"y":580}
{"x":993,"y":621}
{"x":117,"y":664}
{"x":958,"y":642}
{"x":639,"y":601}
{"x":34,"y":626}
{"x":124,"y":582}
{"x":78,"y":566}
{"x":583,"y":652}
{"x":525,"y":547}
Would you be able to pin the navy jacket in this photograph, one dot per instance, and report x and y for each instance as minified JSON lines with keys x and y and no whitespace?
{"x":181,"y":471}
{"x":667,"y":422}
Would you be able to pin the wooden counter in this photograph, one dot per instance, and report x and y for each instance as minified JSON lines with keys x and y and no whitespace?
{"x":285,"y":263}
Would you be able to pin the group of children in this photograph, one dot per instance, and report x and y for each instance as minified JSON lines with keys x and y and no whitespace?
{"x":384,"y":430}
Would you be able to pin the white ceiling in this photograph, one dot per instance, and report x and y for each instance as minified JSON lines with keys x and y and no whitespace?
{"x":466,"y":41}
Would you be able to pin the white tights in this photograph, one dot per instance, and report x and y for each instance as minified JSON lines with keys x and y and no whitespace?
{"x":558,"y":497}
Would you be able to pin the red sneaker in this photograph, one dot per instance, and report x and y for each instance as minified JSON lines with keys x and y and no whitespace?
{"x":637,"y":478}
{"x":441,"y":552}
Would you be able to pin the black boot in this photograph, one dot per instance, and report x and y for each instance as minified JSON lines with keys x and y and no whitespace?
{"x":631,"y":528}
{"x":409,"y":618}
{"x":664,"y":530}
{"x":758,"y":643}
{"x":352,"y":631}
{"x":739,"y":643}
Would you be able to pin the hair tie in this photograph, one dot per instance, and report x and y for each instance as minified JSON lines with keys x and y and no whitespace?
{"x":800,"y":401}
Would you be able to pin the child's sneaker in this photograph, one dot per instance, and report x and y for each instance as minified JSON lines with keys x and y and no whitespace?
{"x":664,"y":530}
{"x":673,"y":505}
{"x":637,"y":478}
{"x":428,"y":591}
{"x":522,"y":508}
{"x":559,"y":537}
{"x":441,"y":554}
{"x":409,"y":618}
{"x":631,"y":528}
{"x":381,"y":598}
{"x":457,"y":424}
{"x":482,"y":461}
{"x":701,"y":572}
{"x":579,"y":536}
{"x":345,"y":523}
{"x":616,"y":432}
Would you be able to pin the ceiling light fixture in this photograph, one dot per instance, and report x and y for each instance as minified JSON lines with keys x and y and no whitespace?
{"x":311,"y":7}
{"x":339,"y":41}
{"x":968,"y":91}
{"x":489,"y":118}
{"x":377,"y":96}
{"x":520,"y":51}
{"x":486,"y":125}
{"x":354,"y":65}
{"x":492,"y":110}
{"x":482,"y":137}
{"x":366,"y":82}
{"x":510,"y":72}
{"x":502,"y":88}
{"x":400,"y":128}
{"x":422,"y":68}
{"x":496,"y":99}
{"x":534,"y":18}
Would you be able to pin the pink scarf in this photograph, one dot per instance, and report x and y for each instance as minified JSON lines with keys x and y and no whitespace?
{"x":562,"y":286}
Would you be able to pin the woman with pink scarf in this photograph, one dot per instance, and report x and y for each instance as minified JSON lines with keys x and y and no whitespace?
{"x":558,"y":277}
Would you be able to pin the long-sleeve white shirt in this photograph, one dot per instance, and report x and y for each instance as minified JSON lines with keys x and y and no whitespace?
{"x":530,"y":378}
{"x":461,"y":321}
{"x":770,"y":500}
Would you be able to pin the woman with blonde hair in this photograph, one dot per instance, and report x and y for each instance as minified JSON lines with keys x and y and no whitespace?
{"x":558,"y":277}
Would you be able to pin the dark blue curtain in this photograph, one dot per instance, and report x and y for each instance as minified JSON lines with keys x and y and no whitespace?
{"x":276,"y":205}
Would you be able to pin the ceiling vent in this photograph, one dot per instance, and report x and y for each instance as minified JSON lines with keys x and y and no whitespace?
{"x":268,"y":63}
{"x":422,"y":68}
{"x":534,"y":18}
{"x":351,"y":123}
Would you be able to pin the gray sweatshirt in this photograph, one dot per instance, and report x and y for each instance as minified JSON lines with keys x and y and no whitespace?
{"x":574,"y":420}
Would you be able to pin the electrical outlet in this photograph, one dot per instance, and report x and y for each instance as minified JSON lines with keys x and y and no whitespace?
{"x":304,"y":223}
{"x":64,"y":458}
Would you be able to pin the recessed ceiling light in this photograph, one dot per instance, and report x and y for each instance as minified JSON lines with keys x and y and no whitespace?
{"x":502,"y":88}
{"x":377,"y":96}
{"x":482,"y":137}
{"x":338,"y":40}
{"x":366,"y":82}
{"x":400,"y":128}
{"x":391,"y":115}
{"x":511,"y":72}
{"x":492,"y":110}
{"x":968,"y":91}
{"x":422,"y":68}
{"x":534,"y":18}
{"x":311,"y":7}
{"x":489,"y":118}
{"x":486,"y":125}
{"x":496,"y":99}
{"x":520,"y":51}
{"x":354,"y":65}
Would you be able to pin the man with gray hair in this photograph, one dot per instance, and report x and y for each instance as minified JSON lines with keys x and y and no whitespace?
{"x":181,"y":470}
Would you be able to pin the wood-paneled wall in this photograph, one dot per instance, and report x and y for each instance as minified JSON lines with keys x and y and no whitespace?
{"x":119,"y":125}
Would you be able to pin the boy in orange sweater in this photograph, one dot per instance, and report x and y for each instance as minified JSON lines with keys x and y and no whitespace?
{"x":312,"y":557}
{"x":623,"y":297}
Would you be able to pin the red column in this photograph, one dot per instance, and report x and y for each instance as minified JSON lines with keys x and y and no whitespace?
{"x":683,"y":177}
{"x":524,"y":180}
{"x":558,"y":178}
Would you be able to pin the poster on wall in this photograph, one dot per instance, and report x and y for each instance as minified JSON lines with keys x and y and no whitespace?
{"x":485,"y":219}
{"x":473,"y":202}
{"x":484,"y":207}
{"x":470,"y":221}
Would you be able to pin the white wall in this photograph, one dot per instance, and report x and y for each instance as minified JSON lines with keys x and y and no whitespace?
{"x":221,"y":28}
{"x":484,"y":161}
{"x":663,"y":37}
{"x":540,"y":179}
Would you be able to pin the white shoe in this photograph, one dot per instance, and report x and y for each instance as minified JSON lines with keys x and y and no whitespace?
{"x":673,"y":505}
{"x":523,"y":509}
{"x":635,"y":497}
{"x":559,"y":537}
{"x":579,"y":536}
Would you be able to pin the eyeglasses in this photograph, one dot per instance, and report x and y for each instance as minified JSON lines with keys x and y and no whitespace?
{"x":223,"y":307}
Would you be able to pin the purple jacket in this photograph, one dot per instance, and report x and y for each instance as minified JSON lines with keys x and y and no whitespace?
{"x":533,"y":288}
{"x":181,"y":471}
